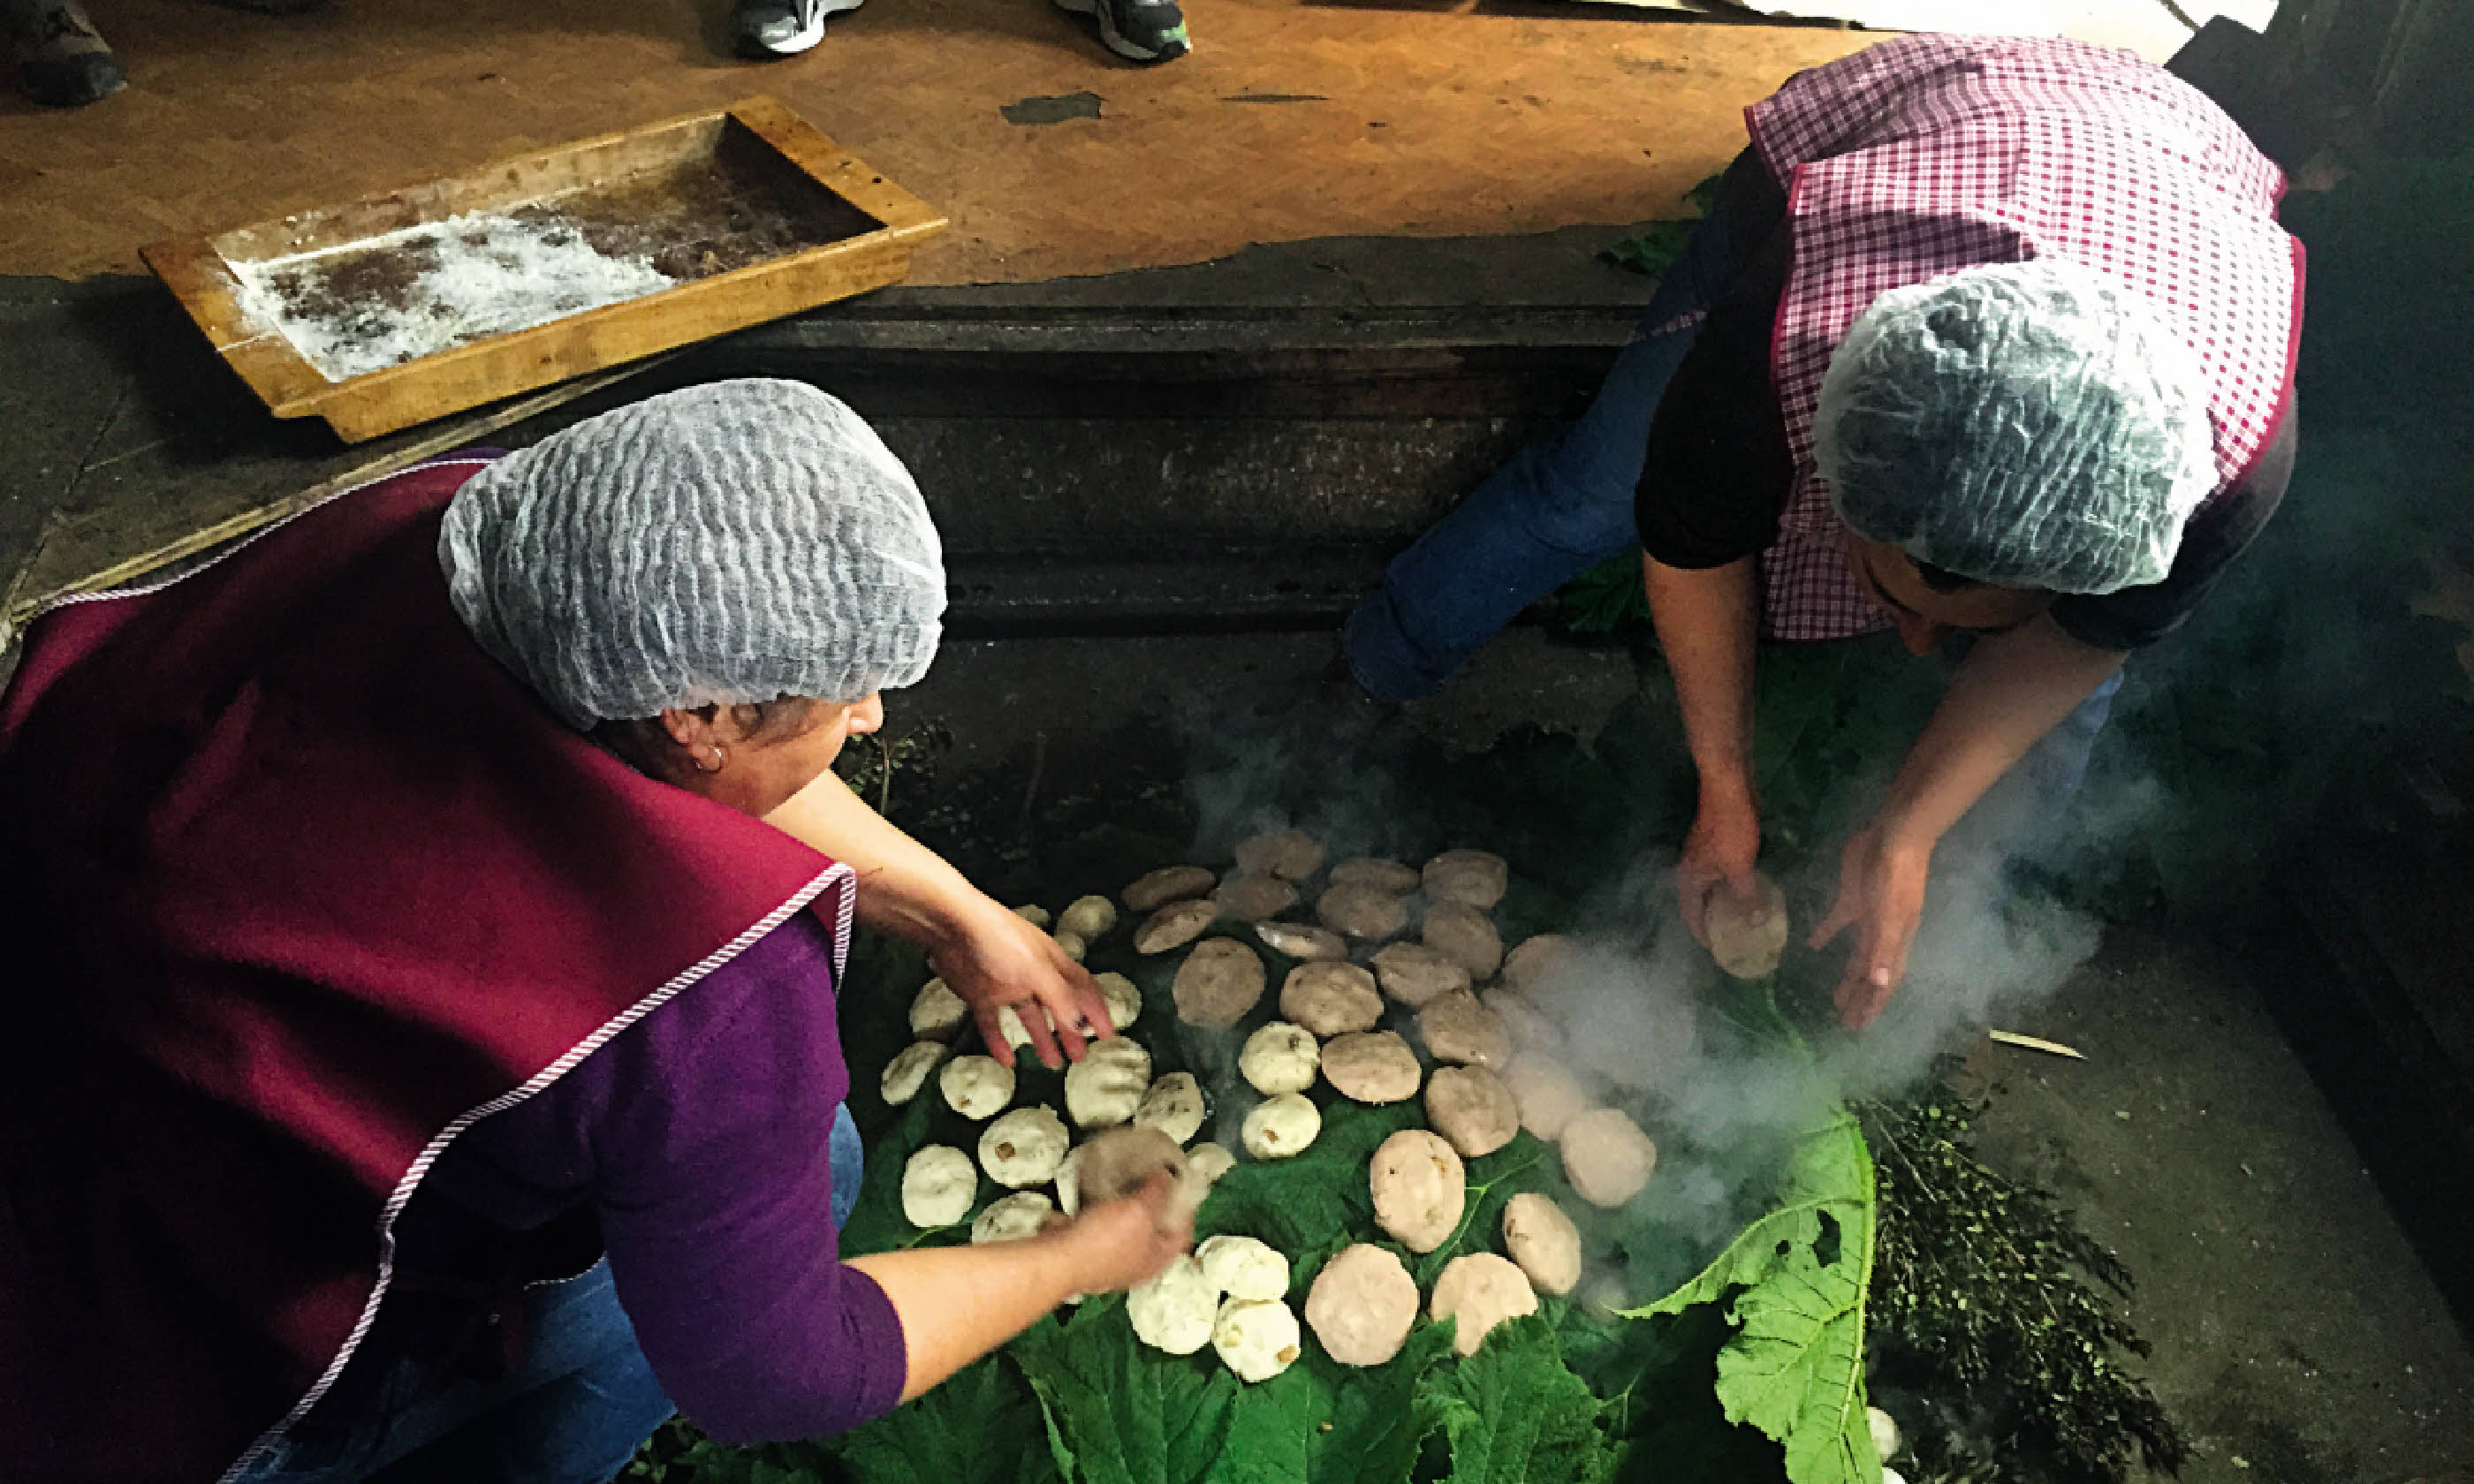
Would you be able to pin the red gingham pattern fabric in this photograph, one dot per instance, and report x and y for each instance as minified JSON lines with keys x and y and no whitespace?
{"x":1931,"y":154}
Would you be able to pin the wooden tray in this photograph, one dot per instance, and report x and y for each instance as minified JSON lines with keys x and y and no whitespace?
{"x":683,"y":230}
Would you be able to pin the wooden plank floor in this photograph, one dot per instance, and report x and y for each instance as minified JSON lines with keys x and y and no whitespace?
{"x":1291,"y":120}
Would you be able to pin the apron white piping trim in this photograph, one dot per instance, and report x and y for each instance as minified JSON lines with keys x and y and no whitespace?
{"x":836,"y":874}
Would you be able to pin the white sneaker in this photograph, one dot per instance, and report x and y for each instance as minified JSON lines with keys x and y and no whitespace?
{"x":785,"y":28}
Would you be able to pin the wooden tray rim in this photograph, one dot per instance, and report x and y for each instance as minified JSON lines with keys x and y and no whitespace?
{"x":202,"y":280}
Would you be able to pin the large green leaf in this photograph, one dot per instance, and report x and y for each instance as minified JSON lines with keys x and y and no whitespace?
{"x":1514,"y":1413}
{"x":1120,"y":1412}
{"x":982,"y":1427}
{"x":1795,"y":1284}
{"x":1366,"y":1426}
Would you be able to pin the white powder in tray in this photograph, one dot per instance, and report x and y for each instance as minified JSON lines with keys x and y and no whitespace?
{"x":382,"y":302}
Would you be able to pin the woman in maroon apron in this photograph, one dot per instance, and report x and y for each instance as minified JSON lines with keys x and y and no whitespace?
{"x":447,"y":890}
{"x":1990,"y":342}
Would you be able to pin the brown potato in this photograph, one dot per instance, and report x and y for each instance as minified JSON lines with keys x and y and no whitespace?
{"x":1465,"y":934}
{"x":1548,"y":1096}
{"x":1420,"y":1188}
{"x":1481,"y":1291}
{"x":1218,"y":983}
{"x":1527,"y":967}
{"x":1472,"y":1108}
{"x":1458,"y":1028}
{"x":1175,"y":925}
{"x":1362,"y":1306}
{"x":1362,"y":911}
{"x":1530,"y":1029}
{"x":1117,"y":1161}
{"x":1170,"y":884}
{"x":1473,"y":878}
{"x":1331,"y":998}
{"x":1291,"y":854}
{"x":1388,"y":877}
{"x":1543,"y":1241}
{"x":1249,"y":898}
{"x":1412,"y":973}
{"x":1298,"y":941}
{"x":1371,"y":1067}
{"x":1606,"y":1158}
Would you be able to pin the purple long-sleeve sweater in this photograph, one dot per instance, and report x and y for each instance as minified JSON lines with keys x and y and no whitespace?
{"x":699,"y":1136}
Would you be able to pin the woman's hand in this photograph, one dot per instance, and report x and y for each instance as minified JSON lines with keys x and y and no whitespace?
{"x":1120,"y":1243}
{"x":995,"y":959}
{"x":1718,"y":856}
{"x":1881,"y":877}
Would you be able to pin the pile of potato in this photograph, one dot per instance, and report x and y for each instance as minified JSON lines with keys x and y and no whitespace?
{"x":1366,"y":936}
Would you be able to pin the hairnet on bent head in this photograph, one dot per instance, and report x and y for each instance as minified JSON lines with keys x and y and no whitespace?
{"x":2025,"y":423}
{"x":731,"y":542}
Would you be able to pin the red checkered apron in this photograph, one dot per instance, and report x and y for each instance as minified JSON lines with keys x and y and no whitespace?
{"x":1931,"y":154}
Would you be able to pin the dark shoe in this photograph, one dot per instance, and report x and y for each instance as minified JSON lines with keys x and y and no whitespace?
{"x":62,"y":62}
{"x":1142,"y":30}
{"x":769,"y":29}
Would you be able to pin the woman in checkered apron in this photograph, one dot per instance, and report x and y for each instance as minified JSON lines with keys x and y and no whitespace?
{"x":1988,"y":341}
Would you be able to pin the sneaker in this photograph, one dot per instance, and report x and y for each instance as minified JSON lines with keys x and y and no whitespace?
{"x":767,"y":29}
{"x":62,"y":62}
{"x":1142,"y":30}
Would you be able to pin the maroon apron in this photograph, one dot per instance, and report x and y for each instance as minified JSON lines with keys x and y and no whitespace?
{"x":1931,"y":154}
{"x":299,"y":884}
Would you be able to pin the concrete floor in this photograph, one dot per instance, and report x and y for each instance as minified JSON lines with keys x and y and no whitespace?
{"x":2298,"y":1339}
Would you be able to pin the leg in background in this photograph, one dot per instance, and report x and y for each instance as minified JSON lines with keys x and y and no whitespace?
{"x":60,"y":60}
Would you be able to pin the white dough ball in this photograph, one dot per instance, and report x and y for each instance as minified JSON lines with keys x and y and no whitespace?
{"x":1244,"y":1267}
{"x":1206,"y":1163}
{"x":976,"y":1087}
{"x":1281,"y":1058}
{"x":1073,"y":945}
{"x":1123,"y":999}
{"x":936,"y":1011}
{"x":1088,"y":917}
{"x":1032,"y":913}
{"x":1282,"y":1126}
{"x":1023,"y":1148}
{"x":1174,"y":1106}
{"x":908,"y":1072}
{"x":1012,"y":1217}
{"x":1107,"y":1086}
{"x":1175,"y":1310}
{"x":1069,"y":1180}
{"x":1420,"y":1188}
{"x":1257,"y":1338}
{"x":938,"y":1185}
{"x":1884,"y":1427}
{"x":1009,"y":1026}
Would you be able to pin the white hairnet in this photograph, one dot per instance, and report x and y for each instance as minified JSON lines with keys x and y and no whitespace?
{"x":2025,"y":423}
{"x":732,"y":543}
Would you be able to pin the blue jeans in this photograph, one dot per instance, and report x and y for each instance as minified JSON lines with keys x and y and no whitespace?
{"x":581,"y":1402}
{"x":1562,"y":505}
